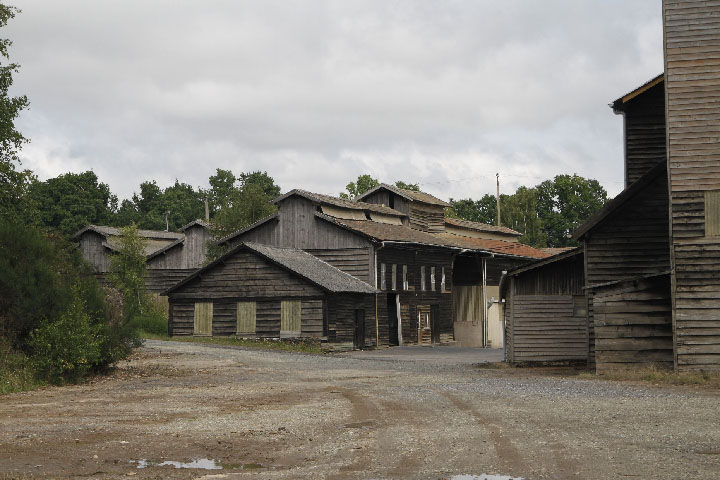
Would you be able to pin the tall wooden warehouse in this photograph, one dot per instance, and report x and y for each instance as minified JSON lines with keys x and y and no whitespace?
{"x":692,"y":88}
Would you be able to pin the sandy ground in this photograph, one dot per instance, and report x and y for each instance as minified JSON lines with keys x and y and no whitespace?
{"x":367,"y":415}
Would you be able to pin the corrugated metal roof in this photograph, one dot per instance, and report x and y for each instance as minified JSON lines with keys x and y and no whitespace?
{"x":481,"y":227}
{"x":397,"y":233}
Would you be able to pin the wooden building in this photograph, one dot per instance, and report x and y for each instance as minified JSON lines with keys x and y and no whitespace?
{"x":171,"y":256}
{"x":546,"y":310}
{"x":692,"y":90}
{"x":406,"y":255}
{"x":259,"y":291}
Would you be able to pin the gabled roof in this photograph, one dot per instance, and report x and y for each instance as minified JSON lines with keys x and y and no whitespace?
{"x":166,"y":248}
{"x":410,"y":195}
{"x":616,"y":203}
{"x":307,"y":266}
{"x":619,"y":104}
{"x":481,"y":227}
{"x":117,"y":232}
{"x":339,"y":202}
{"x":198,"y":222}
{"x":227,"y":238}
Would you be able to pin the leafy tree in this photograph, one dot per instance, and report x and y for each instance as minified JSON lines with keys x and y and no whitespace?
{"x":564,"y":203}
{"x":483,"y":210}
{"x":179,"y":203}
{"x":415,"y":187}
{"x":222,"y":190}
{"x":127,"y":272}
{"x":261,"y":179}
{"x":519,"y":212}
{"x":73,"y":200}
{"x":363,"y":184}
{"x":14,"y":183}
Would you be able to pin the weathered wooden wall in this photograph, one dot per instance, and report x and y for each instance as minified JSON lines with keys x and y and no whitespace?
{"x":428,"y":218}
{"x":633,"y":241}
{"x":341,"y":318}
{"x":633,"y":324}
{"x":414,"y":296}
{"x":546,"y":314}
{"x":157,"y":280}
{"x":92,"y":250}
{"x":298,"y":227}
{"x":355,"y":261}
{"x":692,"y":78}
{"x":644,"y":120}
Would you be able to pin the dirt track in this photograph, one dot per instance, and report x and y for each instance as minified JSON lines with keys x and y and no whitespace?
{"x":279,"y":415}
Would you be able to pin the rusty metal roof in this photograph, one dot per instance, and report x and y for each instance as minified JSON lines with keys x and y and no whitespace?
{"x":398,"y":233}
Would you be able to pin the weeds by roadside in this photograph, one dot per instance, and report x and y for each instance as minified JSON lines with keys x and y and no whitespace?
{"x":16,"y":373}
{"x":301,"y":346}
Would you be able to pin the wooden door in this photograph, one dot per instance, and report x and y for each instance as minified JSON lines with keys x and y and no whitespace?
{"x":359,"y":340}
{"x":203,"y":319}
{"x":435,"y":323}
{"x":246,"y":317}
{"x":290,"y":321}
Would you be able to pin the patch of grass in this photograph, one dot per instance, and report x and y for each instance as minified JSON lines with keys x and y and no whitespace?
{"x":659,"y":376}
{"x":16,"y":374}
{"x":287,"y":345}
{"x":152,"y":323}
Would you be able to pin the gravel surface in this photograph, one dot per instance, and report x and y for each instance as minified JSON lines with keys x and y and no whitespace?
{"x":386,"y":414}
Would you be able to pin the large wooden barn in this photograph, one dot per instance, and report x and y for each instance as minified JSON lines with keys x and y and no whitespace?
{"x":170,"y":256}
{"x":408,"y":257}
{"x":258,"y":291}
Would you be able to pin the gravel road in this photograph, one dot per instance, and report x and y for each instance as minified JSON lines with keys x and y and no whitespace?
{"x":248,"y":413}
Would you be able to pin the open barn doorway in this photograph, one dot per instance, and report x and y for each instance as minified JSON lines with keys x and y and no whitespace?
{"x":393,"y":321}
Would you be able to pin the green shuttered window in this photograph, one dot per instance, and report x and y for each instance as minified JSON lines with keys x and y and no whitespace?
{"x":246,"y":315}
{"x":203,"y":319}
{"x":712,"y":213}
{"x":290,"y":322}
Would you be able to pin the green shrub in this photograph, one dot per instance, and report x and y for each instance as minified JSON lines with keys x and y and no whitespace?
{"x":67,"y":348}
{"x":16,"y":374}
{"x":154,"y":323}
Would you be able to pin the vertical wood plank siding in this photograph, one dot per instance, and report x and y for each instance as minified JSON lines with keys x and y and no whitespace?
{"x":290,"y":318}
{"x":246,"y":317}
{"x":633,"y":324}
{"x":692,"y":77}
{"x":202,"y":319}
{"x":645,"y":140}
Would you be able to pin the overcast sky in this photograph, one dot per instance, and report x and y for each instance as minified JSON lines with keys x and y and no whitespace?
{"x":444,"y":93}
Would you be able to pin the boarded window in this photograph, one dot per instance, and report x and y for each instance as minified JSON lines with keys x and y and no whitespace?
{"x":579,"y":306}
{"x":203,"y":318}
{"x":394,"y":277}
{"x":405,"y":279}
{"x":290,"y":318}
{"x":422,"y":279}
{"x":432,"y":279}
{"x":442,"y":279}
{"x":383,"y":279}
{"x":246,"y":315}
{"x":712,"y":213}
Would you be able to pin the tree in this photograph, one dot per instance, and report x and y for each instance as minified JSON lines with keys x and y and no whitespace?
{"x":177,"y":205}
{"x":564,"y":203}
{"x":14,"y":184}
{"x":364,"y":183}
{"x":519,"y":212}
{"x":483,"y":210}
{"x":261,"y":179}
{"x":415,"y":187}
{"x":73,"y":200}
{"x":127,"y":272}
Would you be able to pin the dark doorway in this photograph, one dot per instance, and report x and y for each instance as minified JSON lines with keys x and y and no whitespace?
{"x":392,"y":319}
{"x":435,"y":323}
{"x":359,"y":340}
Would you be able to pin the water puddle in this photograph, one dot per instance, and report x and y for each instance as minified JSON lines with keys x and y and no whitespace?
{"x":200,"y":463}
{"x":484,"y":476}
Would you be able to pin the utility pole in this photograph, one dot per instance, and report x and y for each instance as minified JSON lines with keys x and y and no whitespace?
{"x":497,"y":176}
{"x":207,"y":211}
{"x":167,"y":225}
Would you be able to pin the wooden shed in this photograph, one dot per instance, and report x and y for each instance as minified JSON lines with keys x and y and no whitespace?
{"x":260,"y":291}
{"x":546,"y":310}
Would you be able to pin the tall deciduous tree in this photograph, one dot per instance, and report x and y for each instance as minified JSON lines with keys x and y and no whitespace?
{"x":365,"y":183}
{"x":14,"y":183}
{"x":72,"y":201}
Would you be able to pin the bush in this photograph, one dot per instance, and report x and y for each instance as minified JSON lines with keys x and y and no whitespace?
{"x":153,"y":323}
{"x":67,"y":348}
{"x":16,"y":373}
